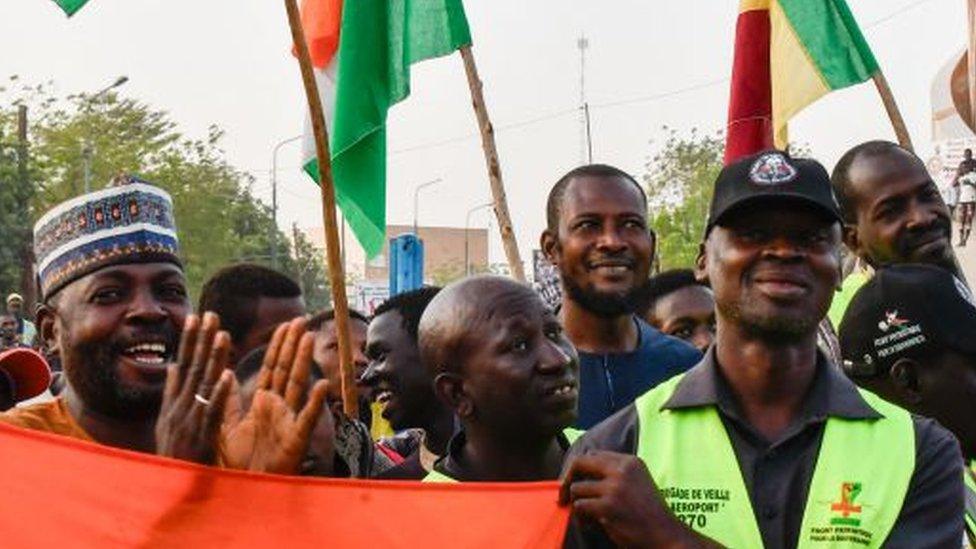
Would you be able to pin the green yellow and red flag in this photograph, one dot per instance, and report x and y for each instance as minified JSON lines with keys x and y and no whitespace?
{"x":362,"y":52}
{"x":788,"y":54}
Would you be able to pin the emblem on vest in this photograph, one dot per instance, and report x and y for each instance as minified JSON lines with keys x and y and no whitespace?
{"x":842,"y":524}
{"x":846,"y":511}
{"x":772,"y":169}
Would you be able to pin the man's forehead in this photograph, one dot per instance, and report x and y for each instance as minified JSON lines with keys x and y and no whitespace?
{"x":595,"y":193}
{"x":874,"y":176}
{"x":356,"y":328}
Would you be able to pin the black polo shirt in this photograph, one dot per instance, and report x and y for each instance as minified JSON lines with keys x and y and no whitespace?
{"x":777,"y":473}
{"x":450,"y":465}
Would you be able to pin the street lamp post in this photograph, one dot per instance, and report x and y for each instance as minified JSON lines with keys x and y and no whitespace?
{"x":274,"y":197}
{"x":467,"y":224}
{"x":86,"y":147}
{"x":416,"y":194}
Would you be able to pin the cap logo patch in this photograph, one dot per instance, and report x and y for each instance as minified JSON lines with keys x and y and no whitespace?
{"x":890,"y":321}
{"x":772,"y":169}
{"x":905,"y":335}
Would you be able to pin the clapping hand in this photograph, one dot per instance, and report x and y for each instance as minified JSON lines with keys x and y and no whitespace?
{"x":196,"y":392}
{"x":273,"y":435}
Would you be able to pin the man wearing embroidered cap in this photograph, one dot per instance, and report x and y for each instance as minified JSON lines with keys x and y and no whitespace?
{"x":114,"y":303}
{"x":908,"y":336}
{"x":765,"y":443}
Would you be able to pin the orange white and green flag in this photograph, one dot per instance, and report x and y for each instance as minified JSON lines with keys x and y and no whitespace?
{"x":362,"y":52}
{"x":788,"y":54}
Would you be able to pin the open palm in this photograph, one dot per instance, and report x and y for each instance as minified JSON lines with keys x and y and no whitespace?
{"x":273,"y":435}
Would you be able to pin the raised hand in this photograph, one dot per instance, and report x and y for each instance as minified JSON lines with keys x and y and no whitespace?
{"x":196,"y":392}
{"x":273,"y":435}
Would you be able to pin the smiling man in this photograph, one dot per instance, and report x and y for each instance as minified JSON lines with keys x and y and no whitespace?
{"x":766,"y":443}
{"x":892,"y":210}
{"x":115,"y":301}
{"x":402,"y":385}
{"x":501,"y":362}
{"x":597,"y":236}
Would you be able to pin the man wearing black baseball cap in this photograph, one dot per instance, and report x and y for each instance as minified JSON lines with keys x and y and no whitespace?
{"x":908,"y":336}
{"x":765,"y":443}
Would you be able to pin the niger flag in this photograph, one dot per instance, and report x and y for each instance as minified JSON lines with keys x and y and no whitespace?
{"x":60,"y":492}
{"x":788,"y":54}
{"x":362,"y":52}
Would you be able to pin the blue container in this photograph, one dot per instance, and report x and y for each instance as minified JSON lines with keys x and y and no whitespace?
{"x":406,"y":263}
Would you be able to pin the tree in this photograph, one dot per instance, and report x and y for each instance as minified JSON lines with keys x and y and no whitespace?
{"x":219,"y":220}
{"x":679,"y":180}
{"x":311,"y":274}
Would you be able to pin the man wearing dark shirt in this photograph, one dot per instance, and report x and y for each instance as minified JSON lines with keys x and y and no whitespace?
{"x":765,"y":442}
{"x":597,"y":236}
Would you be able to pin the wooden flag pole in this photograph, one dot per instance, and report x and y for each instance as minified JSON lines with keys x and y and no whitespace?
{"x":499,"y":201}
{"x":350,"y":405}
{"x":894,"y":114}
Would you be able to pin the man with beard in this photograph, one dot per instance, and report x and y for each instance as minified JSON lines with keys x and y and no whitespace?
{"x":501,"y":361}
{"x":597,"y":236}
{"x":892,"y":210}
{"x":404,"y":387}
{"x":766,"y":443}
{"x":114,"y":303}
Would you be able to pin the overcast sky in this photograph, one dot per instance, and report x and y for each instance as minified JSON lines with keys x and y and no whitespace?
{"x":650,"y":64}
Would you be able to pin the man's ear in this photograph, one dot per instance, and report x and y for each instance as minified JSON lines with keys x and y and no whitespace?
{"x":549,"y":244}
{"x":904,"y":378}
{"x":701,"y":274}
{"x":48,"y":328}
{"x":851,"y":239}
{"x":449,"y":388}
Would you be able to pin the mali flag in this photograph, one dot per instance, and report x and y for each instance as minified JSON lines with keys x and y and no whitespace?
{"x":788,"y":54}
{"x":61,"y":492}
{"x":362,"y":52}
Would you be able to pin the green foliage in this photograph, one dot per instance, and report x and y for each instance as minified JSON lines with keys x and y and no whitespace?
{"x":219,"y":220}
{"x":679,"y":180}
{"x":311,"y":274}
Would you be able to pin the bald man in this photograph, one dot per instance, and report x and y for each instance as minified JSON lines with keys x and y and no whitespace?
{"x":501,"y":362}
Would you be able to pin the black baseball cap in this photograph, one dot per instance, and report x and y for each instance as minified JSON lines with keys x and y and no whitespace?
{"x":771,"y":176}
{"x":906,"y":311}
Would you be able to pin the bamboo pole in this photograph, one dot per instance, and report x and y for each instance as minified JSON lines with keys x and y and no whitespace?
{"x":327,"y":185}
{"x":894,"y":114}
{"x":499,"y":200}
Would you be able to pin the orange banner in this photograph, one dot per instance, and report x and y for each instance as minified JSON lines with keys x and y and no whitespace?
{"x":59,"y":492}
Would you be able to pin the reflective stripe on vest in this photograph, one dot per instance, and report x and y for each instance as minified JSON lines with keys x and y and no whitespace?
{"x":970,"y":483}
{"x":855,"y":495}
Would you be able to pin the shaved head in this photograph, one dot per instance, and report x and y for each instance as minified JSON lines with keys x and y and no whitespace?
{"x":461,"y":311}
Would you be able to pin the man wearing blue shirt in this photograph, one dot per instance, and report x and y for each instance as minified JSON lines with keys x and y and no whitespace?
{"x":597,"y":236}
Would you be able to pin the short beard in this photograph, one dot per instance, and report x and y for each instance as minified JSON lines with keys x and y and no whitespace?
{"x":602,"y":304}
{"x":97,"y":383}
{"x":776,"y":330}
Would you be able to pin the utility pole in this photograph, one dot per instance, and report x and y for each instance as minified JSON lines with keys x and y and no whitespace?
{"x":298,"y":259}
{"x":87,"y":150}
{"x":274,"y":198}
{"x":586,"y":142}
{"x":25,"y":195}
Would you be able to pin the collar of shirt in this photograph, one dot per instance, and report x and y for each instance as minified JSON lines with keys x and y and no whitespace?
{"x":832,"y":393}
{"x":449,"y":464}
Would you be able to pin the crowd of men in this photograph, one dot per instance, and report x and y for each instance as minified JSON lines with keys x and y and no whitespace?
{"x":715,"y":405}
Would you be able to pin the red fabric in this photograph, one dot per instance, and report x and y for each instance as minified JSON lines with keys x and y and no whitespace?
{"x":58,"y":490}
{"x":750,"y":126}
{"x":321,"y":21}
